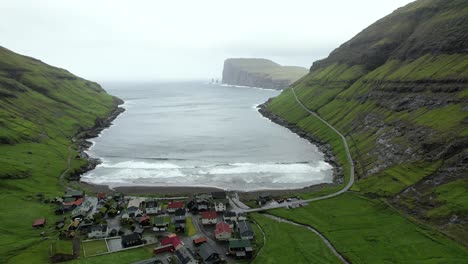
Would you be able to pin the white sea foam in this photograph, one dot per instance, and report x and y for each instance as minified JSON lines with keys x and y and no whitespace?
{"x":140,"y":165}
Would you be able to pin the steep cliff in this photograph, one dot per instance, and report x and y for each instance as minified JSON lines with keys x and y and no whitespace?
{"x":260,"y":73}
{"x":42,"y":109}
{"x":399,"y":92}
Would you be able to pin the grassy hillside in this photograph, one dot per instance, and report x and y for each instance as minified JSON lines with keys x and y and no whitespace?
{"x":41,"y":109}
{"x":260,"y":72}
{"x":398,"y":92}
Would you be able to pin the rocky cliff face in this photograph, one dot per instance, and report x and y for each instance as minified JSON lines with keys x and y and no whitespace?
{"x":260,"y":73}
{"x":398,"y":90}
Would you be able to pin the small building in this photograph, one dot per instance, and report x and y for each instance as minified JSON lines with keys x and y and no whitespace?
{"x":73,"y":204}
{"x":180,"y":212}
{"x":152,"y":207}
{"x":134,"y":212}
{"x":223,"y":232}
{"x":208,"y":254}
{"x":245,"y":230}
{"x":220,"y":201}
{"x":209,"y":217}
{"x":173,"y":206}
{"x":74,"y":194}
{"x":82,"y":210}
{"x":240,"y":248}
{"x":241,"y":217}
{"x":39,"y":223}
{"x":179,"y":227}
{"x":131,"y":240}
{"x":144,"y":220}
{"x":173,"y":240}
{"x":199,"y":240}
{"x":97,"y":231}
{"x":160,"y":223}
{"x":185,"y":256}
{"x":263,"y":199}
{"x":230,"y":215}
{"x":101,"y":196}
{"x":180,"y":219}
{"x":118,"y":196}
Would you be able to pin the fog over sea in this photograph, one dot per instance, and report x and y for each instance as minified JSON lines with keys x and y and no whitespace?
{"x":199,"y":134}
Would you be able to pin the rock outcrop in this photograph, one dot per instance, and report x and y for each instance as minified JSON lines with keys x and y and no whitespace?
{"x":260,"y":73}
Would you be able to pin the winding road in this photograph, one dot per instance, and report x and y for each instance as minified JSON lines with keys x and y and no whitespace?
{"x":239,"y":207}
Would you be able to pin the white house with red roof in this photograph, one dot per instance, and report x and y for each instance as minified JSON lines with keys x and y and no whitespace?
{"x":223,"y":231}
{"x":209,"y":217}
{"x":173,"y":206}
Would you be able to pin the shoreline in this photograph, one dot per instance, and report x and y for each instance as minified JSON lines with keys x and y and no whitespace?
{"x":82,"y":140}
{"x":329,"y":156}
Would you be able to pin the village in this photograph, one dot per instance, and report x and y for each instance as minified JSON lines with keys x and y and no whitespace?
{"x":203,"y":228}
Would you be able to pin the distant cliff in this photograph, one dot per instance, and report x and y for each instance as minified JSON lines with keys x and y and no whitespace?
{"x":260,"y":73}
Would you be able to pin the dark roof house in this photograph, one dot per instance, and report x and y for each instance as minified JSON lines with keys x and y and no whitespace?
{"x":185,"y":256}
{"x":208,"y":255}
{"x":131,"y":240}
{"x":245,"y":230}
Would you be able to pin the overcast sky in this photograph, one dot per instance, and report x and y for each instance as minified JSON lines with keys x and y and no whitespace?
{"x":154,"y":40}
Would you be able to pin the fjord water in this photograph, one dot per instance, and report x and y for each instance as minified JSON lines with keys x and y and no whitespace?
{"x":198,"y":134}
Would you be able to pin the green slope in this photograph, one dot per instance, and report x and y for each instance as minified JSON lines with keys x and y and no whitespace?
{"x":41,"y":109}
{"x":398,"y":92}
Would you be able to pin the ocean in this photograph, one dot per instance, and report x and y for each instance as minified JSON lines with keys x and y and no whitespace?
{"x":201,"y":134}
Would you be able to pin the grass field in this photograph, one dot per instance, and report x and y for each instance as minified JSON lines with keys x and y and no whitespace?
{"x":94,"y":247}
{"x":126,"y":256}
{"x":189,"y":227}
{"x":286,"y":243}
{"x":368,"y":231}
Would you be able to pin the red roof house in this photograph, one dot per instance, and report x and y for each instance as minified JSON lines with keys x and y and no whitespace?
{"x":199,"y":241}
{"x":209,"y":217}
{"x":77,"y":202}
{"x":144,"y":220}
{"x":172,"y":240}
{"x":173,"y":206}
{"x":223,"y":231}
{"x":39,"y":222}
{"x":101,"y":195}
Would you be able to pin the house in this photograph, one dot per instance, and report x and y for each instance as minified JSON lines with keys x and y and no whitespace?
{"x":118,"y":196}
{"x":229,"y":215}
{"x":241,"y":217}
{"x":101,"y":196}
{"x":131,"y":240}
{"x":73,"y":204}
{"x":180,"y":212}
{"x":83,"y":210}
{"x":179,"y":227}
{"x":74,"y":194}
{"x":180,"y":219}
{"x":200,"y":240}
{"x":59,"y":226}
{"x":220,"y":201}
{"x":151,"y":207}
{"x":173,"y":206}
{"x":241,"y":248}
{"x":172,"y":240}
{"x":245,"y":230}
{"x":209,"y":217}
{"x":208,"y":254}
{"x":223,"y":232}
{"x":185,"y":256}
{"x":144,"y":220}
{"x":160,"y":223}
{"x":263,"y":199}
{"x":98,"y":231}
{"x":135,"y":202}
{"x":39,"y":223}
{"x":230,"y":223}
{"x":134,"y":212}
